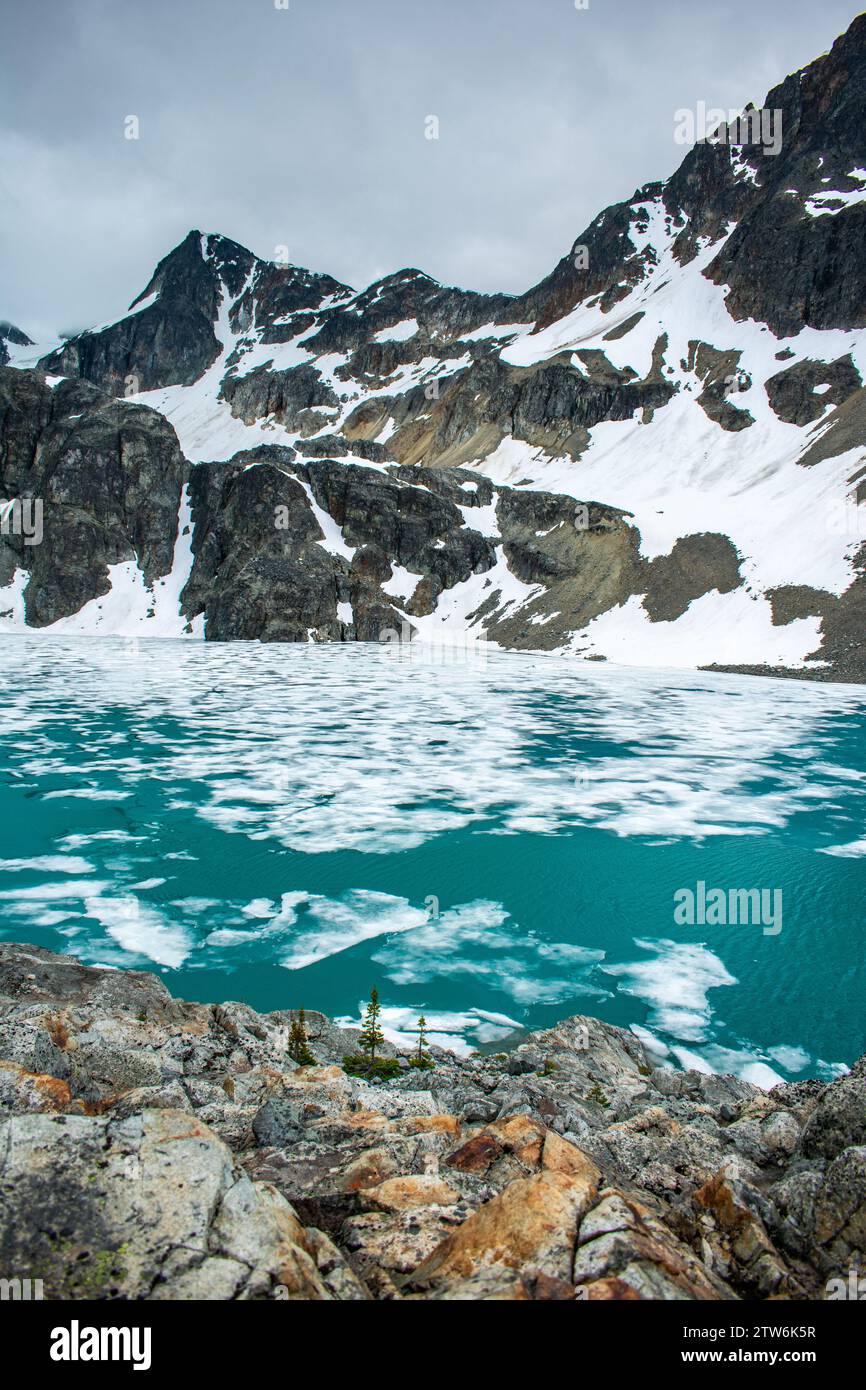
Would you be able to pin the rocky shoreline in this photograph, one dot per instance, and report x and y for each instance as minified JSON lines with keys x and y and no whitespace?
{"x":157,"y":1149}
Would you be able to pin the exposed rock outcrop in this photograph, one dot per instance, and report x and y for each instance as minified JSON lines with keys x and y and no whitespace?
{"x":158,"y":1149}
{"x":108,"y":475}
{"x":168,"y":336}
{"x":333,"y":551}
{"x":287,"y":548}
{"x":790,"y":262}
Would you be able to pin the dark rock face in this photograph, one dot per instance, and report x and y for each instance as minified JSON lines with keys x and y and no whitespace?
{"x":172,"y":340}
{"x":551,"y":406}
{"x":260,"y":570}
{"x":109,"y":475}
{"x":290,"y":397}
{"x":251,"y":577}
{"x":722,"y":379}
{"x":786,"y":266}
{"x":408,"y":294}
{"x":296,"y":551}
{"x":695,"y":566}
{"x":280,"y":301}
{"x":801,"y":394}
{"x":184,"y":1154}
{"x":612,"y":264}
{"x":335,"y":446}
{"x":405,"y":517}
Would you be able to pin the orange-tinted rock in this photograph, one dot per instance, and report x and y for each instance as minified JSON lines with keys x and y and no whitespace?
{"x":609,"y":1290}
{"x":530,"y":1225}
{"x":34,"y":1091}
{"x":405,"y":1193}
{"x":521,"y":1136}
{"x":559,"y":1156}
{"x":428,"y":1124}
{"x":368,"y":1170}
{"x":477,"y":1154}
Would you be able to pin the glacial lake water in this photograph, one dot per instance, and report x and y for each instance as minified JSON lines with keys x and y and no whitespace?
{"x":497,"y":840}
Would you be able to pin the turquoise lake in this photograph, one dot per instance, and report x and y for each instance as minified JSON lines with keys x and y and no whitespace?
{"x":493,"y":839}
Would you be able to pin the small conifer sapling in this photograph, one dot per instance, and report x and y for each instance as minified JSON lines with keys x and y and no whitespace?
{"x":371,"y":1036}
{"x":299,"y":1050}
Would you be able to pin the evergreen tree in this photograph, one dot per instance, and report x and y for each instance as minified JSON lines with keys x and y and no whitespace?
{"x":371,"y":1035}
{"x":298,"y":1048}
{"x":422,"y":1059}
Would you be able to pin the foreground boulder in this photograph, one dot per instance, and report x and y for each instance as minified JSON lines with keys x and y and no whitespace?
{"x":153,"y":1206}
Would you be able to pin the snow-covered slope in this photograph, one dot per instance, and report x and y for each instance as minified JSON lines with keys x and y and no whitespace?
{"x":683,"y":395}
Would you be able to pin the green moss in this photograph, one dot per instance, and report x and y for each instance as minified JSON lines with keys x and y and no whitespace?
{"x":382,"y":1069}
{"x":83,"y":1273}
{"x":423,"y":1063}
{"x":102,"y":1268}
{"x":597,"y":1094}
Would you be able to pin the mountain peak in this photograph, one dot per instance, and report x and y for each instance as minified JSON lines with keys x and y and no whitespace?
{"x":10,"y":334}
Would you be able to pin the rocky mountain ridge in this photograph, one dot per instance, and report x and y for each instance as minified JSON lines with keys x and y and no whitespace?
{"x":157,"y":1149}
{"x":693,"y":367}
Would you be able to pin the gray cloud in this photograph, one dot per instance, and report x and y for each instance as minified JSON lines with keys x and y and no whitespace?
{"x":305,"y":127}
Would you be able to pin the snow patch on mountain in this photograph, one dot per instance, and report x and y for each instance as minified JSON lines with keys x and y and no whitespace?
{"x":131,"y":608}
{"x":727,"y":629}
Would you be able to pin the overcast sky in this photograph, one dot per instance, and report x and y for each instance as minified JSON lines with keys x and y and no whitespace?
{"x":305,"y":127}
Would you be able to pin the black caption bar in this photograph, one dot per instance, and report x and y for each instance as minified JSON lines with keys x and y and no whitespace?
{"x":146,"y":1339}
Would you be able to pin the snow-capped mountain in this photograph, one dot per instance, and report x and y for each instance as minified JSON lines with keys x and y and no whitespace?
{"x":10,"y":334}
{"x":656,"y":455}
